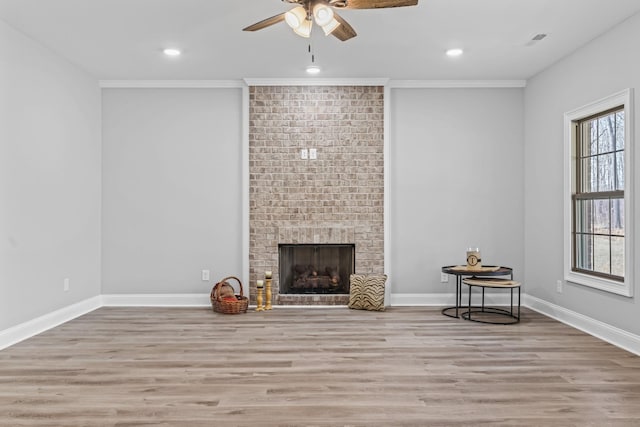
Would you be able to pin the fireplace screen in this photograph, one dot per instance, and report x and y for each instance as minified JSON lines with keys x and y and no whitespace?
{"x":316,"y":268}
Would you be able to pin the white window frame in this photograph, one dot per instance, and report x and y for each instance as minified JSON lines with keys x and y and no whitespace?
{"x":625,"y":99}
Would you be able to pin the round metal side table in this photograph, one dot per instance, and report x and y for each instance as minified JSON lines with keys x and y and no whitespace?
{"x":461,"y":272}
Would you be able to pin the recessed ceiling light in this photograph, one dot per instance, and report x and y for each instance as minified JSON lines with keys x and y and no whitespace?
{"x":454,"y":52}
{"x":171,"y":52}
{"x":313,"y":69}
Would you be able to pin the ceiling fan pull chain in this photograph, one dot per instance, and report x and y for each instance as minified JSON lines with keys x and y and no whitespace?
{"x":310,"y":49}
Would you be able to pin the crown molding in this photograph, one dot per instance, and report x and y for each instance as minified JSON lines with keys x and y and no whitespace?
{"x":171,"y":84}
{"x":316,"y":82}
{"x":394,"y":84}
{"x":453,"y":84}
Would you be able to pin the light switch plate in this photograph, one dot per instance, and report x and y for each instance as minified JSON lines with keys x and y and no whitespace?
{"x":313,"y":153}
{"x":304,"y":154}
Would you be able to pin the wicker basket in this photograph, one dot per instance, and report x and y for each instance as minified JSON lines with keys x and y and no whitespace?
{"x":225,"y":306}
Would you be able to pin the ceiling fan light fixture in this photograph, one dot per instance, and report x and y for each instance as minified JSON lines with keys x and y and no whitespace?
{"x":304,"y":30}
{"x":323,"y":14}
{"x":332,"y":25}
{"x":296,"y":17}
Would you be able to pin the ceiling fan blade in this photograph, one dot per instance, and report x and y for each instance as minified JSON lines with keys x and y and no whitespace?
{"x":344,"y":31}
{"x":378,"y":4}
{"x":265,"y":23}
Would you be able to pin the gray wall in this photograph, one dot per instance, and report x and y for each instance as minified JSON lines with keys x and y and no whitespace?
{"x":164,"y":151}
{"x":49,"y":181}
{"x":172,"y":189}
{"x":604,"y":66}
{"x":456,"y":180}
{"x":468,"y":166}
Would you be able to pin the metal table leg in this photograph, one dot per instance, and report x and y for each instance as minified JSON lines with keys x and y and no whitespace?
{"x":458,"y":303}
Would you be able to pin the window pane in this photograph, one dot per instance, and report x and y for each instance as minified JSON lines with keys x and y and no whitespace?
{"x":617,"y":256}
{"x":601,"y":216}
{"x":617,"y":217}
{"x":605,"y":172}
{"x":584,"y":216}
{"x":620,"y":130}
{"x":619,"y":170}
{"x":606,"y":129}
{"x":601,"y":254}
{"x":589,"y":140}
{"x":589,"y":170}
{"x":584,"y":249}
{"x":593,"y":143}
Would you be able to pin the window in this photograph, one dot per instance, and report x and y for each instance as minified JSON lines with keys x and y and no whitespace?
{"x":598,"y":201}
{"x":598,"y":195}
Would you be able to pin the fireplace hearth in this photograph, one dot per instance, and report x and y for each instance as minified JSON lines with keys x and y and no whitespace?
{"x":315,"y":268}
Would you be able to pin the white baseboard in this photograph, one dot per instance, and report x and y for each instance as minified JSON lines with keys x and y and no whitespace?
{"x":407,"y":300}
{"x":21,"y":332}
{"x":448,"y":299}
{"x":156,"y":300}
{"x":598,"y":329}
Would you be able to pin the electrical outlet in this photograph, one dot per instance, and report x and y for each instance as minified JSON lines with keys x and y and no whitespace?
{"x":304,"y":154}
{"x":205,"y":274}
{"x":66,"y":284}
{"x":313,"y":153}
{"x":444,"y":277}
{"x":559,"y":286}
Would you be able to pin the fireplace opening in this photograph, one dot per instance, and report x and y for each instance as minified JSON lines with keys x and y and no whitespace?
{"x":316,"y":268}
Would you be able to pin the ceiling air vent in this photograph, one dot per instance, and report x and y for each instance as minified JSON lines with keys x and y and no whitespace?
{"x":538,"y":37}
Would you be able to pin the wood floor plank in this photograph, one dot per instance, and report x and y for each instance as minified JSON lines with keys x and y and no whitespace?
{"x":408,"y":366}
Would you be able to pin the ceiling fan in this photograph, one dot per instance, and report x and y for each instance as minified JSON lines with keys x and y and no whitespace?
{"x":301,"y":17}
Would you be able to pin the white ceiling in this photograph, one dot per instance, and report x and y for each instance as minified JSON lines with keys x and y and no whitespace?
{"x":122,"y":39}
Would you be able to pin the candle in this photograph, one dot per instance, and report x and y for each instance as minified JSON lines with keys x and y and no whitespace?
{"x":260,"y":283}
{"x":267,"y":275}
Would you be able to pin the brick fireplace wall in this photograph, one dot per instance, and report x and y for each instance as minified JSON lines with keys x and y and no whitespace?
{"x":337,"y":198}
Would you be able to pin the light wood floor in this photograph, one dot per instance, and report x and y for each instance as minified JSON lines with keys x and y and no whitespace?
{"x":315,"y":367}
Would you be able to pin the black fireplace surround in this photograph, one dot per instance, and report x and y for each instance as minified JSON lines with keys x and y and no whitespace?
{"x":315,"y":268}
